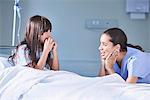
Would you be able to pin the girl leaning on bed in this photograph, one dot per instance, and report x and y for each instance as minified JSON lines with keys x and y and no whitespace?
{"x":117,"y":56}
{"x":38,"y":49}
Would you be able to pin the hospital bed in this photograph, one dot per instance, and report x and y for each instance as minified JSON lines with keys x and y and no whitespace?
{"x":25,"y":83}
{"x":5,"y":51}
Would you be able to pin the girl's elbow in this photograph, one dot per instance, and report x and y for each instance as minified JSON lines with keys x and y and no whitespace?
{"x":132,"y":79}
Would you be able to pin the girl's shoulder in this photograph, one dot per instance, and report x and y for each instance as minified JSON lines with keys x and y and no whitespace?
{"x":138,"y":53}
{"x":23,"y":47}
{"x":135,"y":52}
{"x":138,"y":57}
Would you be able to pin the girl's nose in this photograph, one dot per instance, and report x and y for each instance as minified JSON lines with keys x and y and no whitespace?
{"x":100,"y":47}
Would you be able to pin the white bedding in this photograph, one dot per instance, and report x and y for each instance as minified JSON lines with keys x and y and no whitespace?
{"x":24,"y":83}
{"x":4,"y":63}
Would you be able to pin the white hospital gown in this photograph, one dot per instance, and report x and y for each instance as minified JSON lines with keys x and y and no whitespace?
{"x":22,"y":56}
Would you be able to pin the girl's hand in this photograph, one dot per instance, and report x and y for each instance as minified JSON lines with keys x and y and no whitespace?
{"x":54,"y":49}
{"x":48,"y":44}
{"x":111,"y":59}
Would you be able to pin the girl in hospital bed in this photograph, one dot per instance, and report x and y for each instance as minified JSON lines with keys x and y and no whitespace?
{"x":132,"y":64}
{"x":38,"y":49}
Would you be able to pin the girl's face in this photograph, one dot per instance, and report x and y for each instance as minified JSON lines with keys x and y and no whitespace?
{"x":45,"y":36}
{"x":106,"y":46}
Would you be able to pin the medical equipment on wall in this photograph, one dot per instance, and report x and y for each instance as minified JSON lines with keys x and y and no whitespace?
{"x":16,"y":12}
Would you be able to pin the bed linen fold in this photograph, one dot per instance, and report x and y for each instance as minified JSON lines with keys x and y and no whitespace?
{"x":25,"y":83}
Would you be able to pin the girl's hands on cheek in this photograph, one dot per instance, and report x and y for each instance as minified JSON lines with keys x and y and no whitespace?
{"x":111,"y":59}
{"x":48,"y":44}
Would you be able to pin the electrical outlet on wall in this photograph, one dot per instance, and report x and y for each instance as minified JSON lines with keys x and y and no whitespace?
{"x":100,"y":23}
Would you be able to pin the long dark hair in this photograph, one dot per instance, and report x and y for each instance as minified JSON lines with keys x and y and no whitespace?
{"x":118,"y":36}
{"x":35,"y":27}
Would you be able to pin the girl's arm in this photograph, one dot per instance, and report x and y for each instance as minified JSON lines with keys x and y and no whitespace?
{"x":42,"y":61}
{"x":102,"y":70}
{"x":54,"y":62}
{"x":132,"y":79}
{"x":48,"y":45}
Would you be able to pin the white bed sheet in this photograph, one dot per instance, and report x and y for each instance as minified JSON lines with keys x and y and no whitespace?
{"x":4,"y":63}
{"x":24,"y":83}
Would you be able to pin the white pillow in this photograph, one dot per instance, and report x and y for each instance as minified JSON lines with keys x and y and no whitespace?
{"x":4,"y":63}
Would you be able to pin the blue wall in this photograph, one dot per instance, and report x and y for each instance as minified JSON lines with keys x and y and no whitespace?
{"x":77,"y":45}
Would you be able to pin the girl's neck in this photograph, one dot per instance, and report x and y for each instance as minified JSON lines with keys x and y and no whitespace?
{"x":120,"y":57}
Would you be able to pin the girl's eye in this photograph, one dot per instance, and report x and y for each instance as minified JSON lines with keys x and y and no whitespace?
{"x":42,"y":33}
{"x":104,"y":44}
